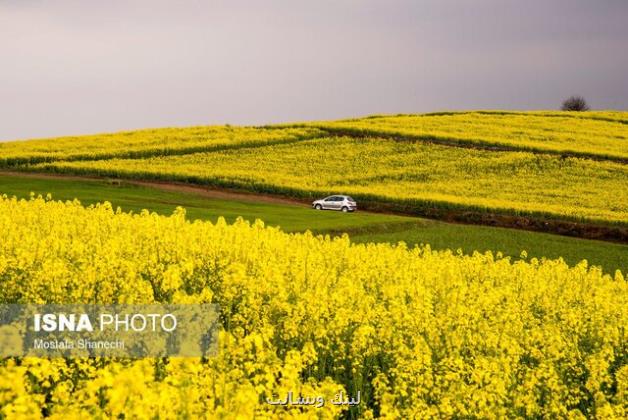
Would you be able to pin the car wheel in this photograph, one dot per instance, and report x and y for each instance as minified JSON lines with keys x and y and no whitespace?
{"x":318,"y":207}
{"x":345,"y":209}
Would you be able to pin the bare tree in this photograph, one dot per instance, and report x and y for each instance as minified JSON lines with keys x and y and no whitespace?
{"x":575,"y":103}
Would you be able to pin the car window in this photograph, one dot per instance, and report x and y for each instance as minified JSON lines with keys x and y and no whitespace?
{"x":332,"y":198}
{"x":350,"y":199}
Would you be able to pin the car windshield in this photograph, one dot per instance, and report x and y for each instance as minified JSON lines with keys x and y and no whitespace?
{"x":350,"y":199}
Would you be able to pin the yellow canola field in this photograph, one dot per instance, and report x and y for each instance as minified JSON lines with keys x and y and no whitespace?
{"x":413,"y":175}
{"x":150,"y":142}
{"x":419,"y":333}
{"x":598,"y":134}
{"x":603,"y":135}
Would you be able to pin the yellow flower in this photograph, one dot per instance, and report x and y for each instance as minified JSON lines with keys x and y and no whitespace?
{"x":417,"y":333}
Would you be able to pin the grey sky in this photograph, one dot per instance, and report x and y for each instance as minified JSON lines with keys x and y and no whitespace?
{"x":71,"y":67}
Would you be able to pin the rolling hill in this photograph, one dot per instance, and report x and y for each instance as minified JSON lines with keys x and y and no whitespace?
{"x":547,"y":171}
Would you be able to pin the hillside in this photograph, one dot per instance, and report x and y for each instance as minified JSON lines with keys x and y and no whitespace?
{"x":561,"y":172}
{"x":598,"y":135}
{"x":145,"y":143}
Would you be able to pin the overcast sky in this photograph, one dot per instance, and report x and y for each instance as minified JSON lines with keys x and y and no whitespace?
{"x":71,"y":67}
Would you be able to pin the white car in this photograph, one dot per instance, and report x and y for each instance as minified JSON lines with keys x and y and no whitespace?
{"x":343,"y":203}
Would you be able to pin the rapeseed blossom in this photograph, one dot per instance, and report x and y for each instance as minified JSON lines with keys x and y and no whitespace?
{"x":409,"y":176}
{"x":419,"y":333}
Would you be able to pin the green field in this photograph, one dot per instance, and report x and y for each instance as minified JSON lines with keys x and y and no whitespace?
{"x":361,"y":226}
